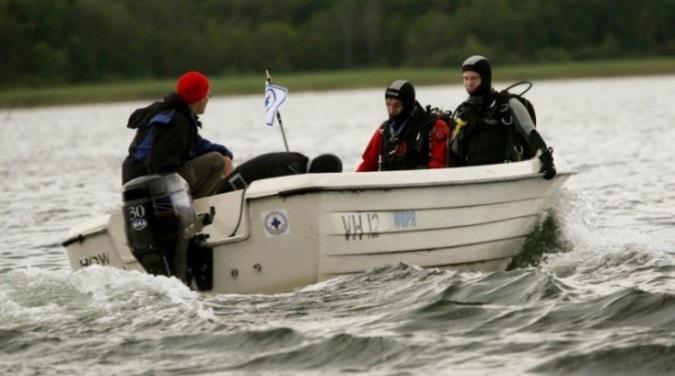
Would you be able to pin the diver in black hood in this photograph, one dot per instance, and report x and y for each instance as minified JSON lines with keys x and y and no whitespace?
{"x":477,"y":78}
{"x":410,"y":138}
{"x":494,"y":127}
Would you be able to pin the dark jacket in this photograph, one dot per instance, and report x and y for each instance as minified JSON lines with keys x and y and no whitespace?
{"x":497,"y":128}
{"x":480,"y":135}
{"x":167,"y":136}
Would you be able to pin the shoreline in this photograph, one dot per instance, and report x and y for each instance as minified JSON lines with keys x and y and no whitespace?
{"x":226,"y":85}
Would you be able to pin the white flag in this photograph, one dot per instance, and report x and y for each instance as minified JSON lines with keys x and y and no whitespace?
{"x":275,"y":95}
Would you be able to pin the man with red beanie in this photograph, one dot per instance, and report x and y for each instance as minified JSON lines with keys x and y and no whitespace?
{"x":167,"y":139}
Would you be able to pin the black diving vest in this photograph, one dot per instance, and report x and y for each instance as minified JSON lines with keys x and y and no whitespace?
{"x":485,"y":133}
{"x":410,"y":149}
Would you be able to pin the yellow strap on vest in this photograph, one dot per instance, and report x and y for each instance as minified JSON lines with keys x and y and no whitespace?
{"x":459,"y":125}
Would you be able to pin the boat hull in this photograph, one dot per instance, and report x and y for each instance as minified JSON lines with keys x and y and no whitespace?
{"x":293,"y":231}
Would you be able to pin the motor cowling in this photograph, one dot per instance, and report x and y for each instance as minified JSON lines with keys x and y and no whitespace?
{"x":159,"y":222}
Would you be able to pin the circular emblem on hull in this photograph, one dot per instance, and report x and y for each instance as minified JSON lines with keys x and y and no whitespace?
{"x":276,"y":222}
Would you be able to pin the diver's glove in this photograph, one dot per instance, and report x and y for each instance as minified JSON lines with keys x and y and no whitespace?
{"x":547,"y":166}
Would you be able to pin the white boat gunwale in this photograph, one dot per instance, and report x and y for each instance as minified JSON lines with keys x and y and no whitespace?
{"x":447,"y":181}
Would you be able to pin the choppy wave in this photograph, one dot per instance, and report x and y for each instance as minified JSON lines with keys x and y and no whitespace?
{"x":392,"y":320}
{"x":639,"y":359}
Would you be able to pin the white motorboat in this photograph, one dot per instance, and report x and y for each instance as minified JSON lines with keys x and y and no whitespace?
{"x":291,"y":231}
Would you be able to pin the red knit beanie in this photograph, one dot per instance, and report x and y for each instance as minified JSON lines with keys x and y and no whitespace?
{"x":192,"y":86}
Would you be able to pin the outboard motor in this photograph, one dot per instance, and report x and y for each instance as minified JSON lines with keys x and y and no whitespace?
{"x":159,"y":220}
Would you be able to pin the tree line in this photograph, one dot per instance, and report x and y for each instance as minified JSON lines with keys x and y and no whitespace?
{"x":47,"y":42}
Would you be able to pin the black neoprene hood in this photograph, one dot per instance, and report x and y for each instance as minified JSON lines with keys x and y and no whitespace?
{"x":480,"y":65}
{"x":403,"y":91}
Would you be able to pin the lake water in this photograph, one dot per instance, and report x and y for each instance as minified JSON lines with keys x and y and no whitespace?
{"x":601,"y":299}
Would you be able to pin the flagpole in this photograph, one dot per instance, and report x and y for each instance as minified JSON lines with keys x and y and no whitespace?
{"x":281,"y":123}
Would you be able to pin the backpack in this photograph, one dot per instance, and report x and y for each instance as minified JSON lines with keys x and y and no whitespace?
{"x":439,"y":113}
{"x":139,"y":119}
{"x":506,"y":95}
{"x":141,"y":116}
{"x":525,"y":151}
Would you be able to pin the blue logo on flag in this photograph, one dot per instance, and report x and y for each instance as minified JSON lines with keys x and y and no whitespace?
{"x":274,"y":96}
